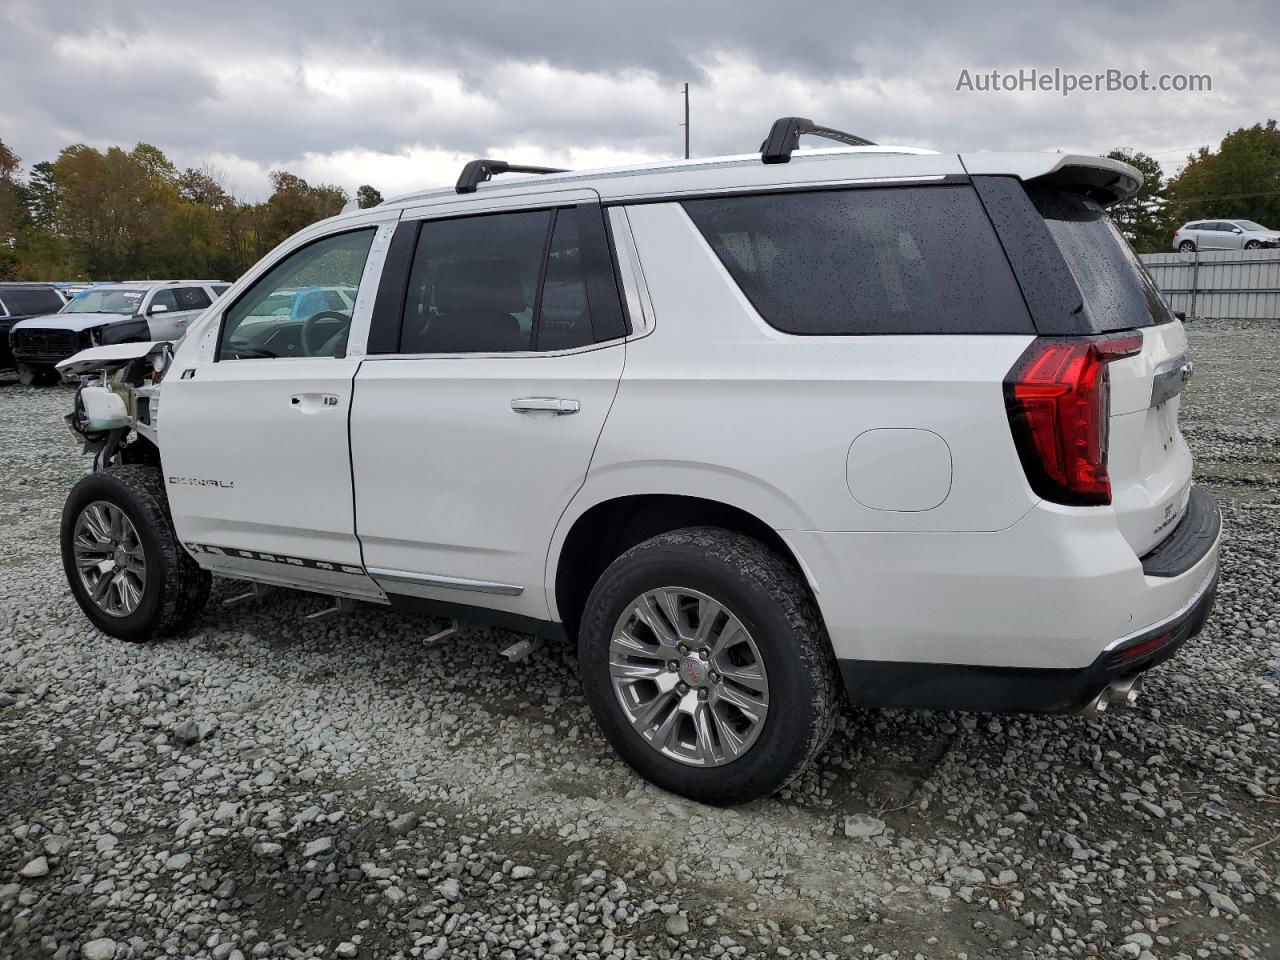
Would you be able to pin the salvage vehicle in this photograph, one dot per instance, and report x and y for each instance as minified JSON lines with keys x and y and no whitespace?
{"x":133,"y":312}
{"x":750,"y":430}
{"x":18,"y":301}
{"x":1224,"y":235}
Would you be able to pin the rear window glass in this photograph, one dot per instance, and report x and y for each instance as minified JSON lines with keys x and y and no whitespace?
{"x":22,"y":302}
{"x":866,"y":261}
{"x":1118,"y":292}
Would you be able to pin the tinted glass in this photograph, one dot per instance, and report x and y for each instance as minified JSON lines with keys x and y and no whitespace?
{"x":289,"y":312}
{"x":23,"y":301}
{"x":191,"y":298}
{"x":866,"y":261}
{"x":473,"y":284}
{"x":1118,"y":292}
{"x":563,"y":319}
{"x":220,"y":288}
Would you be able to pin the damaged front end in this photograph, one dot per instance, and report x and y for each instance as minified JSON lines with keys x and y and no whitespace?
{"x":116,"y":407}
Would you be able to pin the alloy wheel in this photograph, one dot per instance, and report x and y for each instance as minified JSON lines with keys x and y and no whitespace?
{"x":688,"y":676}
{"x":109,"y":558}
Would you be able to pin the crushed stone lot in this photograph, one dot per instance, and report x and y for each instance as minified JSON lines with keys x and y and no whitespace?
{"x":268,"y":786}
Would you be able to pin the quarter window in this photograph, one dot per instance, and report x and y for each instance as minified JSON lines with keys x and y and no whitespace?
{"x":866,"y":261}
{"x":302,"y":306}
{"x":191,"y":298}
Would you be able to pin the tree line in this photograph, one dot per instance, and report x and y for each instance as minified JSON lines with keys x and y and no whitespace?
{"x":119,"y":214}
{"x":1240,"y":180}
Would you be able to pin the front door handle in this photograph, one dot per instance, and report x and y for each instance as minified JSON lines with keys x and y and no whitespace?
{"x":312,"y":402}
{"x":557,"y":405}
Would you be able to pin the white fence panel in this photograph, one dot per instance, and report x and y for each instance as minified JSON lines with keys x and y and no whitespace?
{"x":1220,"y":284}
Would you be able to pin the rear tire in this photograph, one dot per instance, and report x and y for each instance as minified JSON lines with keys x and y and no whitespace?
{"x":784,"y":655}
{"x":122,"y":558}
{"x":1186,"y":246}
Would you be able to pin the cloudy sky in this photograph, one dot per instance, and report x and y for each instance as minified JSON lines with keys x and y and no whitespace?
{"x":398,"y":93}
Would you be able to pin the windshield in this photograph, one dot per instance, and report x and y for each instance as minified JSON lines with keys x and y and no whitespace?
{"x":1118,"y":292}
{"x":106,"y":300}
{"x":1250,"y":225}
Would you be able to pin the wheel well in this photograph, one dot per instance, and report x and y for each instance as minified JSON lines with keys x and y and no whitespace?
{"x":609,"y":529}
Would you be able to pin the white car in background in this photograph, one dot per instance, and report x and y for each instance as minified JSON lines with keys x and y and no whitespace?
{"x":107,"y":313}
{"x":1224,"y":235}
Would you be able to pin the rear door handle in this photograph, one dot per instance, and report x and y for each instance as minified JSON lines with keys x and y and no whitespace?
{"x":557,"y":405}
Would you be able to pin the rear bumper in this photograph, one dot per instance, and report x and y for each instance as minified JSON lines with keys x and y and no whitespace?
{"x":988,"y":689}
{"x":1037,"y":617}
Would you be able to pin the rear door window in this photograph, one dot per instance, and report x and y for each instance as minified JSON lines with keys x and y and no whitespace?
{"x":1118,"y":292}
{"x":900,"y":260}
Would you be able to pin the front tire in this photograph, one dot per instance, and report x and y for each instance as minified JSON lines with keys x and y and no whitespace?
{"x":122,"y":557}
{"x":1186,"y":246}
{"x":1252,"y":245}
{"x":751,"y":698}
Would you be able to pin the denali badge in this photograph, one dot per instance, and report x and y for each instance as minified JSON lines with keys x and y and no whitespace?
{"x":197,"y":482}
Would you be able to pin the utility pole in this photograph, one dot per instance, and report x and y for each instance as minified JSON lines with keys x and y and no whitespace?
{"x":686,"y":121}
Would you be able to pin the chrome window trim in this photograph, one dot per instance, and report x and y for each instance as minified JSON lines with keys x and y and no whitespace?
{"x":447,"y":583}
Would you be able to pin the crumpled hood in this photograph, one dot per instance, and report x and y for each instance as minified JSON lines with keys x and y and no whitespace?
{"x":70,"y":321}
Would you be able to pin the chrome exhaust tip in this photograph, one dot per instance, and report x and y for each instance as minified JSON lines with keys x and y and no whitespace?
{"x":1124,"y":692}
{"x":1098,"y":704}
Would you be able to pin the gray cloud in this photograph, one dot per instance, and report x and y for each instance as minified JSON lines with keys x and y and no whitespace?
{"x":285,"y":83}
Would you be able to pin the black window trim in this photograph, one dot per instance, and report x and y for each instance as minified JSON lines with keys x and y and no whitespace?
{"x":603,"y":285}
{"x":222,"y":316}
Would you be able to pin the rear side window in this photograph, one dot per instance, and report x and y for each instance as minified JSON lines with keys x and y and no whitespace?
{"x":22,"y":302}
{"x":899,"y":260}
{"x":1118,"y":292}
{"x":474,"y":284}
{"x":502,"y":283}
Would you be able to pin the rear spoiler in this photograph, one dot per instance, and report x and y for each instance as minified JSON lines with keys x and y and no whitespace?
{"x":1101,"y":179}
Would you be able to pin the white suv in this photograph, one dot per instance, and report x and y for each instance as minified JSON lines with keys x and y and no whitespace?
{"x":752,"y":430}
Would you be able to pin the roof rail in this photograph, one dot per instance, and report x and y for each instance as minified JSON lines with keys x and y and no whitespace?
{"x":478,"y":171}
{"x":784,"y":137}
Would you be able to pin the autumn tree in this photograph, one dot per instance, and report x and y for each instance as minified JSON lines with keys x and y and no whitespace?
{"x":11,"y":209}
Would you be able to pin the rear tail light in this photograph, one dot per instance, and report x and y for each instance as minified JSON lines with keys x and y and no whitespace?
{"x":1058,"y":399}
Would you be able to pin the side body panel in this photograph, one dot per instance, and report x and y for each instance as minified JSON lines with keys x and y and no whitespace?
{"x":714,"y":403}
{"x":460,"y":478}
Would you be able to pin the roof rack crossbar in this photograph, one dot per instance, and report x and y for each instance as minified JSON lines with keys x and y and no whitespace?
{"x":478,"y":171}
{"x":784,"y":138}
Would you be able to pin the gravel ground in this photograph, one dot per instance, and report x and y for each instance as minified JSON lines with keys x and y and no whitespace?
{"x":271,"y":787}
